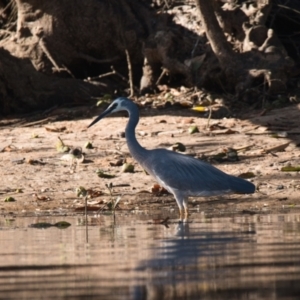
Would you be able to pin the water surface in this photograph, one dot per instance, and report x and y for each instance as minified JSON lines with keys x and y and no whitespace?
{"x":235,"y":257}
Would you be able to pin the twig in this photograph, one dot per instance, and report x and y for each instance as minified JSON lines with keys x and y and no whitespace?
{"x":49,"y":56}
{"x":195,"y":47}
{"x":98,"y":61}
{"x":62,"y":142}
{"x":165,"y":221}
{"x":47,"y":111}
{"x":44,"y":48}
{"x":6,"y":32}
{"x":119,"y":74}
{"x":264,"y":93}
{"x":102,"y":76}
{"x":166,"y":4}
{"x":130,"y":76}
{"x":277,"y":148}
{"x":40,"y":122}
{"x":210,"y":111}
{"x":10,"y":3}
{"x":289,"y":8}
{"x":109,"y":187}
{"x":64,"y":68}
{"x":86,"y":221}
{"x":164,"y":71}
{"x":121,"y":185}
{"x":209,"y":115}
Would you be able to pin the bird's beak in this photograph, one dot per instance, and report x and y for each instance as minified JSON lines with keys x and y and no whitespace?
{"x":105,"y":113}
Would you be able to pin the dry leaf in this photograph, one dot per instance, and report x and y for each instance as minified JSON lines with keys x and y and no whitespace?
{"x":174,"y":92}
{"x":200,"y":108}
{"x":247,"y":175}
{"x":217,"y":126}
{"x":171,"y":132}
{"x":117,"y":163}
{"x":41,"y":198}
{"x":88,"y":145}
{"x":162,"y":87}
{"x":290,"y":169}
{"x":56,"y":129}
{"x":185,"y":103}
{"x":280,"y":134}
{"x":127,"y":168}
{"x":9,"y":199}
{"x":61,"y":147}
{"x":31,"y":161}
{"x":142,"y":133}
{"x":277,"y":148}
{"x":94,"y":194}
{"x":225,"y":131}
{"x":8,"y":148}
{"x":95,"y":202}
{"x":88,"y":208}
{"x":178,"y":147}
{"x":193,"y":129}
{"x":187,"y":121}
{"x":158,"y":190}
{"x":101,"y":174}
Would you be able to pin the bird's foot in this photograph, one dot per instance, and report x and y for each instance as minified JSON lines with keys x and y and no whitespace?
{"x":183,"y":215}
{"x":183,"y":220}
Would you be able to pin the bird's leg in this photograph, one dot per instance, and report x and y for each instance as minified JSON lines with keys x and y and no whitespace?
{"x":186,"y":214}
{"x":178,"y":198}
{"x":180,"y":214}
{"x":186,"y":210}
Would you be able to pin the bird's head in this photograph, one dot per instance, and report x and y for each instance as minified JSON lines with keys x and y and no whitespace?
{"x":117,"y":105}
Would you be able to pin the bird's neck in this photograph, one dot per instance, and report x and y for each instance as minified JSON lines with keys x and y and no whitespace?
{"x":136,"y":150}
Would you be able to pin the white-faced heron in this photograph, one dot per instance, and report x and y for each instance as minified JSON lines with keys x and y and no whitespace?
{"x":181,"y":175}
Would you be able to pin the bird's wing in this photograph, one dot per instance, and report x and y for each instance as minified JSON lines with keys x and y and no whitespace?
{"x":180,"y":172}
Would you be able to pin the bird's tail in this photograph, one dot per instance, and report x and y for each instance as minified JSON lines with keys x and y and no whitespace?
{"x":242,"y":186}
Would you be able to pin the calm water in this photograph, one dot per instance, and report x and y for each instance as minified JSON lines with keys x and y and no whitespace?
{"x":239,"y":257}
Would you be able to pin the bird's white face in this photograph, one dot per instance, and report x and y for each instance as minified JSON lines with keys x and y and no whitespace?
{"x":117,"y":105}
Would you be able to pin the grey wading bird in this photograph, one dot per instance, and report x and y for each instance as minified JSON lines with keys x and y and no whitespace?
{"x":181,"y":175}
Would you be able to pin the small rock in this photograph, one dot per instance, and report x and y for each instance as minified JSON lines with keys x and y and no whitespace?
{"x":121,"y":134}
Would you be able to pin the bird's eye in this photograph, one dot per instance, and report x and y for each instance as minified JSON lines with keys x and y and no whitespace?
{"x":113,"y":106}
